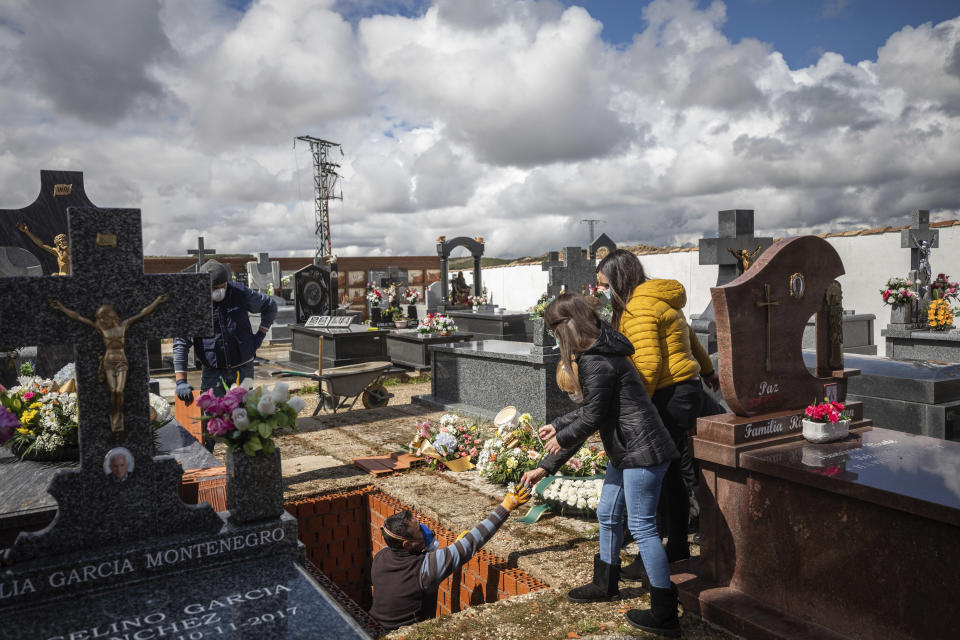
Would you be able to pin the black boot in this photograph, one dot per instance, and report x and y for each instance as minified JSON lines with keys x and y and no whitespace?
{"x":661,"y":617}
{"x":635,"y":571}
{"x":604,"y":586}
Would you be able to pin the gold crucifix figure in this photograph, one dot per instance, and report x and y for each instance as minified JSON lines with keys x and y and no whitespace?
{"x":744,"y":257}
{"x":60,"y":249}
{"x":113,"y":363}
{"x":767,"y":302}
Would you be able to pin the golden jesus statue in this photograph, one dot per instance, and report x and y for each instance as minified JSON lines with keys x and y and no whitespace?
{"x":744,"y":257}
{"x":113,"y":363}
{"x":60,"y":248}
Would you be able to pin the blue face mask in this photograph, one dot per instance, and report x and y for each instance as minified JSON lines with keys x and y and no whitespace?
{"x":429,"y":540}
{"x":606,"y":292}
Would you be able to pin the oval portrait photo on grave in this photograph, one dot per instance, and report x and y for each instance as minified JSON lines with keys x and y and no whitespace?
{"x":797,"y":286}
{"x":118,"y":463}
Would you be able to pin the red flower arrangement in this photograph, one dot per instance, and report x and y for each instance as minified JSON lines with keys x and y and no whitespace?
{"x":825,"y":412}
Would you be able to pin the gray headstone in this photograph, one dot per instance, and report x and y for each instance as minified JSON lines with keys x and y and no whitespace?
{"x":734,"y":233}
{"x":264,"y":273}
{"x":203,"y":254}
{"x":94,"y":510}
{"x":573,"y":274}
{"x":434,"y":295}
{"x":126,"y":553}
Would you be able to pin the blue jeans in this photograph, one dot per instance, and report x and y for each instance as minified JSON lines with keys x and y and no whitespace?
{"x":638,"y":490}
{"x":214,"y":379}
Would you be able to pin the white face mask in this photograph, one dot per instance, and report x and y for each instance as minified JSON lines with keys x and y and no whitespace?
{"x":606,"y":292}
{"x":219,"y":294}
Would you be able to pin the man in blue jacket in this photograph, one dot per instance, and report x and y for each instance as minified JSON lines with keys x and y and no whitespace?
{"x":233,"y":345}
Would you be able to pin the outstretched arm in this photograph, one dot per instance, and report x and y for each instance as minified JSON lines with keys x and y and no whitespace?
{"x":148,"y":309}
{"x":23,"y":228}
{"x":70,"y":313}
{"x":755,"y":252}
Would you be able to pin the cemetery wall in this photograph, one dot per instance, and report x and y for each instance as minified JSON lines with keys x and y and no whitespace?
{"x":341,"y":532}
{"x":869,"y":257}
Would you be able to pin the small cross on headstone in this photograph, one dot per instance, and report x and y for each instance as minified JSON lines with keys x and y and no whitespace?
{"x":767,"y":303}
{"x":201,"y":252}
{"x":572,"y":275}
{"x":919,"y":232}
{"x":95,"y":509}
{"x":735,"y":234}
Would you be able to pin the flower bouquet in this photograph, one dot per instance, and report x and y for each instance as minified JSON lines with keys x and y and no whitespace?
{"x":939,"y":315}
{"x":436,"y":323}
{"x":476,"y":301}
{"x":943,"y":289}
{"x":39,"y":421}
{"x":374,"y":295}
{"x":570,"y":496}
{"x":410,"y":296}
{"x":452,"y":444}
{"x":515,"y":450}
{"x":247,"y":418}
{"x":898,"y":291}
{"x":825,"y":422}
{"x":605,"y":310}
{"x":540,"y":307}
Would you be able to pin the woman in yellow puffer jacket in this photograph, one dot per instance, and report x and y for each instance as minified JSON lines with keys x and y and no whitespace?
{"x":670,"y":360}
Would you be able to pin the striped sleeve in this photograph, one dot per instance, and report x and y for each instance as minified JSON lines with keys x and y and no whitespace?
{"x":439,"y":564}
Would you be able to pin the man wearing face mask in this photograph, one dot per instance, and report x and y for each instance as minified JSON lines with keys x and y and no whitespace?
{"x":407,"y":573}
{"x":233,"y":345}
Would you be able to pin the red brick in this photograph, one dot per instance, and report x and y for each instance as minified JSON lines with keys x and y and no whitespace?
{"x":321,"y":507}
{"x":522,"y":587}
{"x":354,"y":501}
{"x":509,"y":583}
{"x":328,"y":564}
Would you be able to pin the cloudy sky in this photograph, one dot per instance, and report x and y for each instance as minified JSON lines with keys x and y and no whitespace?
{"x":508,"y":119}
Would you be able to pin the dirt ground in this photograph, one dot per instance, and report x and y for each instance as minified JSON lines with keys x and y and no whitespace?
{"x":557,"y":550}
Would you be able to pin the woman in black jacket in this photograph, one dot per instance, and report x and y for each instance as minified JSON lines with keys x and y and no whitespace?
{"x":615,"y":402}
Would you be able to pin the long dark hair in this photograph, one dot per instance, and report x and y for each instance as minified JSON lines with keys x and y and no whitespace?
{"x":576,"y":325}
{"x":624,"y":272}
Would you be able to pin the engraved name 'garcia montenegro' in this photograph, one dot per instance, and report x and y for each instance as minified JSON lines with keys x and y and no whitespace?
{"x":152,"y":560}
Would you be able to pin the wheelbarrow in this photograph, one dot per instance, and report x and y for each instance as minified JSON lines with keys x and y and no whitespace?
{"x":336,"y":386}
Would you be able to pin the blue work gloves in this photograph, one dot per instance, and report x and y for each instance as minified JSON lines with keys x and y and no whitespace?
{"x":185,"y":392}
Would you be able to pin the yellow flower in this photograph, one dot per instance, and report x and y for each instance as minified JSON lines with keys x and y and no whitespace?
{"x":24,"y":431}
{"x":28,"y":415}
{"x":35,"y":405}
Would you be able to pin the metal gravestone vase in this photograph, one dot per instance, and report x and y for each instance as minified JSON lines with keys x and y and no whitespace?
{"x":254,"y":486}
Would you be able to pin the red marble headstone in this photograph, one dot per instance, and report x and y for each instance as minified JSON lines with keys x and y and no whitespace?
{"x":760,"y":321}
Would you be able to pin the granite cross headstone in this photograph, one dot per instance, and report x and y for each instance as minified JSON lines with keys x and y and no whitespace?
{"x":264,"y":273}
{"x":124,"y":557}
{"x":201,"y":252}
{"x":573,"y":274}
{"x":918,"y":232}
{"x":735,"y":234}
{"x":108,"y":270}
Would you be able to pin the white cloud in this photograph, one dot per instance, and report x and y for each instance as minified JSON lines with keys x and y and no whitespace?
{"x":508,"y":119}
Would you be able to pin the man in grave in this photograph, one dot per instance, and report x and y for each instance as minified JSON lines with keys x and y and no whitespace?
{"x":408,"y":571}
{"x":228,"y":354}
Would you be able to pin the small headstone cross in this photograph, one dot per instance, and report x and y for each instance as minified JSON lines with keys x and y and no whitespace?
{"x":767,"y":303}
{"x":120,"y":308}
{"x":735,"y":234}
{"x":201,"y":252}
{"x":918,"y":232}
{"x":572,"y":275}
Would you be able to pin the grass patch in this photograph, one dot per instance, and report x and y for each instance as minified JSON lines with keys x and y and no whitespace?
{"x":393,"y":382}
{"x":307,"y":389}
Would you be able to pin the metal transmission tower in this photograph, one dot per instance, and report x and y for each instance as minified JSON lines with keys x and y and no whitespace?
{"x":592,"y":225}
{"x":325,"y":178}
